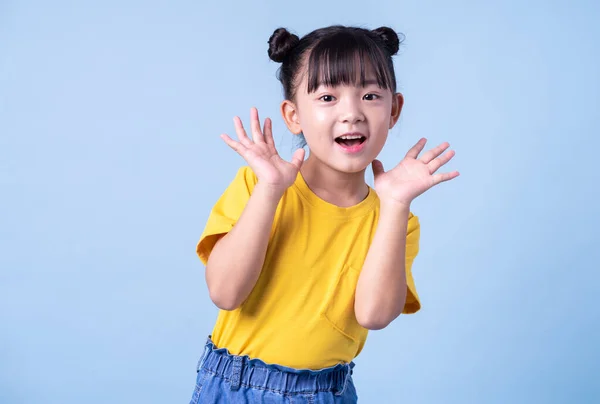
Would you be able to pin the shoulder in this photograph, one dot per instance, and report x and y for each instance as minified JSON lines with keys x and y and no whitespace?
{"x":246,"y":174}
{"x":413,"y":231}
{"x":413,"y":220}
{"x":245,"y":180}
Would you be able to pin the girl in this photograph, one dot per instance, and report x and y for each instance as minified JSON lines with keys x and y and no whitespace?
{"x":303,"y":257}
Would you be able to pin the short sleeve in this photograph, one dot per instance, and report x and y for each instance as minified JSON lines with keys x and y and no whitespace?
{"x":413,"y":304}
{"x":226,"y":212}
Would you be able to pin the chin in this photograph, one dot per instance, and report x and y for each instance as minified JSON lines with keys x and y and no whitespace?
{"x":344,"y":163}
{"x":353,"y":167}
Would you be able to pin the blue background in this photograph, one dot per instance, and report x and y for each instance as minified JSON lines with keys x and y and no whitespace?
{"x":110,"y":161}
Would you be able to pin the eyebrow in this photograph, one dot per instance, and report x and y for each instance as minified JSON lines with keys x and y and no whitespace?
{"x":371,"y":83}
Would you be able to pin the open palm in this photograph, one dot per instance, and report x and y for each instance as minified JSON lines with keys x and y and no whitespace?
{"x":261,"y":155}
{"x":413,"y":175}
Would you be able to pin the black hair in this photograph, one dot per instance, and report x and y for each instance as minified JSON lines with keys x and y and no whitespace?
{"x":336,"y":55}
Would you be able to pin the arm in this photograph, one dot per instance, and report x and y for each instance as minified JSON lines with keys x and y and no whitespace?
{"x":236,"y":261}
{"x":381,"y":289}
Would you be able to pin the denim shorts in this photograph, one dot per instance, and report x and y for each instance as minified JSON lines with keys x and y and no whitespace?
{"x":225,"y":378}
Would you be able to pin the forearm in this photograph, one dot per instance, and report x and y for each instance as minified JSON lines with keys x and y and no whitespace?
{"x":236,"y":260}
{"x":381,"y":288}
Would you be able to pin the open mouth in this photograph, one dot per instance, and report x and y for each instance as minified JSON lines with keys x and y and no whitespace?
{"x":350,"y":141}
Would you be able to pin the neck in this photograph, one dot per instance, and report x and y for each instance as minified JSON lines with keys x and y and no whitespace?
{"x":333,"y":186}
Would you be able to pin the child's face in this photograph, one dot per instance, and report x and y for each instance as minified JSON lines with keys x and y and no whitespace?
{"x":328,"y":113}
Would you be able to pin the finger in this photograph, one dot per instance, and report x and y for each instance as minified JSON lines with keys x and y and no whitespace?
{"x":438,"y":178}
{"x":241,"y":132}
{"x":433,"y":153}
{"x":416,"y":149}
{"x":237,"y":146}
{"x":298,"y":158}
{"x":268,"y":132}
{"x":377,"y":168}
{"x":257,"y":135}
{"x":440,"y":161}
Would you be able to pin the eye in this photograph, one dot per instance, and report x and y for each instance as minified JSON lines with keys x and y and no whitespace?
{"x":371,"y":97}
{"x":327,"y":98}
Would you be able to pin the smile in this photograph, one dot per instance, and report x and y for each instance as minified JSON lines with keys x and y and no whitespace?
{"x":351,"y":142}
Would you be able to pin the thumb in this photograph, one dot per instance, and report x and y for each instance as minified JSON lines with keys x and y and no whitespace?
{"x":377,"y":168}
{"x":298,"y":158}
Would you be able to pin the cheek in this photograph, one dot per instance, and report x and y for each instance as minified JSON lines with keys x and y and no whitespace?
{"x":317,"y":125}
{"x":382,"y":131}
{"x":320,"y":116}
{"x":379,"y":121}
{"x":381,"y":139}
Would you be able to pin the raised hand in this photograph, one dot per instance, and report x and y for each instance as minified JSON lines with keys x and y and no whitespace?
{"x":413,"y":175}
{"x":261,"y":155}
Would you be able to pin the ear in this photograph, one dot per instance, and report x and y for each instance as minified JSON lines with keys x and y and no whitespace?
{"x":289,"y":112}
{"x":397,"y":104}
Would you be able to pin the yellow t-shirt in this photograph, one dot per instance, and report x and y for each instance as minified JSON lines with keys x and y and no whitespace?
{"x":300,"y":314}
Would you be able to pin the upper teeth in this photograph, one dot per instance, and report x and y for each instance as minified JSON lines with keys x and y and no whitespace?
{"x":351,"y":137}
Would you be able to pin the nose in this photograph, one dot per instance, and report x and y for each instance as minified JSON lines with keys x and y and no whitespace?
{"x":351,"y":112}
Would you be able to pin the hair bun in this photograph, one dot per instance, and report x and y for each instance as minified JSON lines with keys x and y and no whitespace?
{"x":389,"y":37}
{"x":281,"y":43}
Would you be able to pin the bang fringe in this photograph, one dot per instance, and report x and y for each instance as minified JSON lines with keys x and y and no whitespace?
{"x":345,"y":60}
